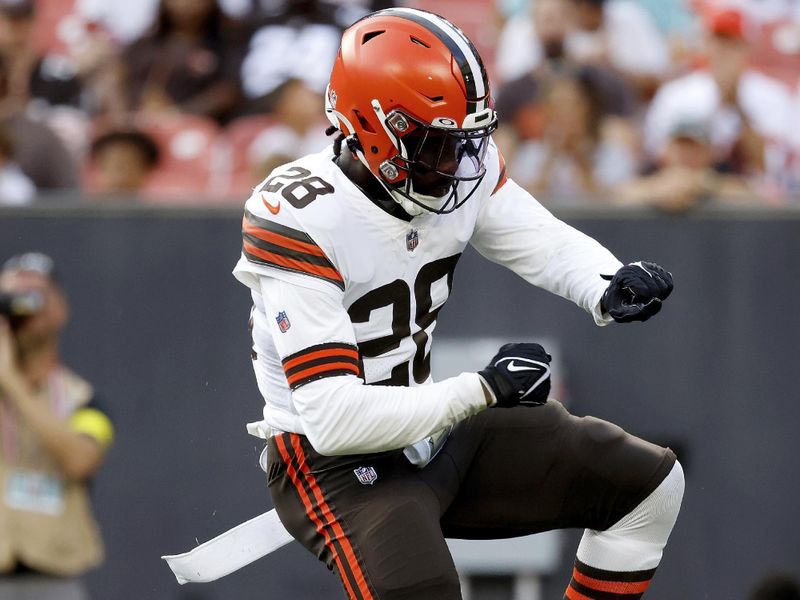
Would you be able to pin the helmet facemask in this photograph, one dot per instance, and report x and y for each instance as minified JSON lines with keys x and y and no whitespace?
{"x":433,"y":161}
{"x":410,"y":95}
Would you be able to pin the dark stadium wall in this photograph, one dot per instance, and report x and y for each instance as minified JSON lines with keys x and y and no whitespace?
{"x":160,"y":327}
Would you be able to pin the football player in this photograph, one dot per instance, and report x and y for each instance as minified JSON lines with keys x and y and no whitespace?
{"x":349,"y":255}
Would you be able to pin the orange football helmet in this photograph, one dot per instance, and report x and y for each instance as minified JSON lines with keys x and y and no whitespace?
{"x":410,"y":93}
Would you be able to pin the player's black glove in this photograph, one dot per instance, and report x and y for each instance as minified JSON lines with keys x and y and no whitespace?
{"x":519,"y":374}
{"x":636,"y":292}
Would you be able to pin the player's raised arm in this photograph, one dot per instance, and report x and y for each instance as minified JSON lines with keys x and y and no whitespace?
{"x":516,"y":231}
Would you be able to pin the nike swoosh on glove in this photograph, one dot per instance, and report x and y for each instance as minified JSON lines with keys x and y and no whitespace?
{"x":636,"y":292}
{"x":518,"y":374}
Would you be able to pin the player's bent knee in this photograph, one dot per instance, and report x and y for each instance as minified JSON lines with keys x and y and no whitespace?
{"x":637,"y":540}
{"x":659,"y":510}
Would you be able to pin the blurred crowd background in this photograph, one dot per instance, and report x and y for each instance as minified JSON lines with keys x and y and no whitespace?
{"x":669,"y":103}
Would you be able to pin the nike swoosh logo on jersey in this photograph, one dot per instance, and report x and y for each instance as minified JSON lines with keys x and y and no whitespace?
{"x":273,"y":208}
{"x":514,"y":367}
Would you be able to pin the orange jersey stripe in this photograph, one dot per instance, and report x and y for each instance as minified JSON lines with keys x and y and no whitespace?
{"x":573,"y":594}
{"x":292,"y":472}
{"x":335,"y":525}
{"x":337,"y":366}
{"x":614,"y":587}
{"x":293,"y":264}
{"x":350,"y":353}
{"x":281,"y":240}
{"x":503,"y":177}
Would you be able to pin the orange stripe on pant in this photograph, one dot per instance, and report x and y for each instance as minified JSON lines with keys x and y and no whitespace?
{"x":292,"y":472}
{"x":614,"y":587}
{"x":335,"y":525}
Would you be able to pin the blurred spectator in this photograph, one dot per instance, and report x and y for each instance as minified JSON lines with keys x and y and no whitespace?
{"x":25,"y":74}
{"x":185,"y":64}
{"x":687,"y":175}
{"x":776,"y":586}
{"x":53,"y":439}
{"x":508,"y":9}
{"x":578,"y":153}
{"x":517,"y":100}
{"x":620,"y":34}
{"x":298,"y":130}
{"x":342,"y":12}
{"x":297,"y":41}
{"x":127,"y":21}
{"x":124,"y":21}
{"x":673,"y":18}
{"x":745,"y":110}
{"x":615,"y":33}
{"x":774,"y":34}
{"x":122,"y":161}
{"x":61,"y":89}
{"x":41,"y":154}
{"x":15,"y":187}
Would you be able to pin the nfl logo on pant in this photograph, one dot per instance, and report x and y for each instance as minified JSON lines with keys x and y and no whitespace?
{"x":366,"y":475}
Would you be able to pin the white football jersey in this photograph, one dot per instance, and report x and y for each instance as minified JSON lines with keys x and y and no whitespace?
{"x":346,"y":294}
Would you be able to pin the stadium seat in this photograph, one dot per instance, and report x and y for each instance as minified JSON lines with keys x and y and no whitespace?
{"x":239,"y":136}
{"x":192,"y":161}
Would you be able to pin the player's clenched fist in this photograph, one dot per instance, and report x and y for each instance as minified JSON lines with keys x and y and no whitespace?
{"x":518,"y":374}
{"x":636,"y":292}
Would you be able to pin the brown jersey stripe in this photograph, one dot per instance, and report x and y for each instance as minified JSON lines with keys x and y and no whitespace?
{"x":321,"y":372}
{"x":351,"y":560}
{"x":267,"y":225}
{"x":259,"y":256}
{"x":314,"y":259}
{"x":330,"y":359}
{"x":292,"y":470}
{"x":324,"y":360}
{"x":283,"y":240}
{"x":320,"y":351}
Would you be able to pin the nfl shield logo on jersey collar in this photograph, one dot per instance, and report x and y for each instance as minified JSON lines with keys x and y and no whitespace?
{"x":412,"y":240}
{"x":366,"y":475}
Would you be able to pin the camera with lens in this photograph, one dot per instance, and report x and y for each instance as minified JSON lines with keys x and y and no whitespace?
{"x":18,"y":307}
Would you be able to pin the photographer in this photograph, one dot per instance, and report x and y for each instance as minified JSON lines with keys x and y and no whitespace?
{"x":52,"y":440}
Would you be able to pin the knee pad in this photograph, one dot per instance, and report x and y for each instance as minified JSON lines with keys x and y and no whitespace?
{"x":636,"y":542}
